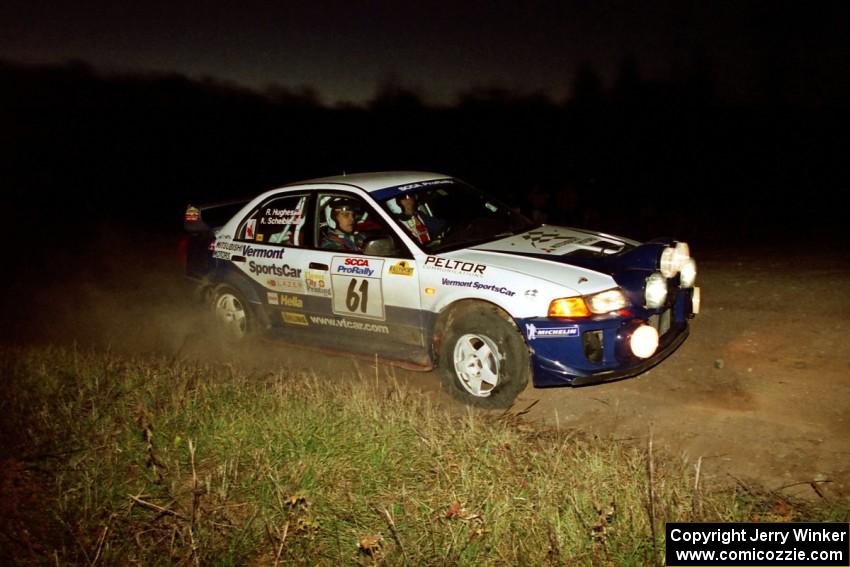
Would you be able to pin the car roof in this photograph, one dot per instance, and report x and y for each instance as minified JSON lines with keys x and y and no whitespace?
{"x":375,"y":181}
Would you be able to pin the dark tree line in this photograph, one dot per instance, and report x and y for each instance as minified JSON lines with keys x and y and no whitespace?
{"x":645,"y":158}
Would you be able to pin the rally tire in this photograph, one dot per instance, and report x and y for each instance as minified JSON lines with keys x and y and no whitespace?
{"x":483,"y":359}
{"x":232,"y":315}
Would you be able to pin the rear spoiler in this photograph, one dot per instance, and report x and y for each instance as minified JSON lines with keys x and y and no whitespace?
{"x":205,"y":218}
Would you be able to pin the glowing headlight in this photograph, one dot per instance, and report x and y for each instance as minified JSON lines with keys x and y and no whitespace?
{"x":607,"y":301}
{"x":688,"y":272}
{"x":672,"y":259}
{"x":656,"y":290}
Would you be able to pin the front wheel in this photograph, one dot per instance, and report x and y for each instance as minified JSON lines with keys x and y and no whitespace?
{"x":233,"y":317}
{"x":483,"y":358}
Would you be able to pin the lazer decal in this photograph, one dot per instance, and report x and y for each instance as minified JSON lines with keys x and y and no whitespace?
{"x":272,"y":298}
{"x":401,"y":268}
{"x":288,"y":284}
{"x":294,"y":318}
{"x":455,"y":266}
{"x":479,"y":285}
{"x":534,"y":332}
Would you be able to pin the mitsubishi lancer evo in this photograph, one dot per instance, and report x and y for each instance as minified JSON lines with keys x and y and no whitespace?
{"x":427,"y":271}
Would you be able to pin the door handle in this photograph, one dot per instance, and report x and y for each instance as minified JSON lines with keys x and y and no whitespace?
{"x":237,"y":258}
{"x":315,"y":266}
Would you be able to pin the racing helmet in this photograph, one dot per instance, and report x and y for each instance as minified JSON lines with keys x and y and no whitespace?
{"x":337,"y":204}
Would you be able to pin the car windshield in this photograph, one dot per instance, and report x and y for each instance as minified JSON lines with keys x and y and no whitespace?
{"x":444,"y":216}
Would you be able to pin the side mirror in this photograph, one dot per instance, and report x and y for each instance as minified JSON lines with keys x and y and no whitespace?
{"x":380,"y":246}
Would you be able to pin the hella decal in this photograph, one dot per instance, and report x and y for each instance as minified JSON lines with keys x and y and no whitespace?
{"x":291,"y":301}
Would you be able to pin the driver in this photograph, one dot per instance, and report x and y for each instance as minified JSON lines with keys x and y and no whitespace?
{"x":343,"y":237}
{"x":411,"y":219}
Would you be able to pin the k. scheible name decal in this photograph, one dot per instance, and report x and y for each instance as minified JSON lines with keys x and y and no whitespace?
{"x":758,"y":544}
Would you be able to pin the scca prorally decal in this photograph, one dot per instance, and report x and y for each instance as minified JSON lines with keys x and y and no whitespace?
{"x":535,"y":332}
{"x":353,"y":325}
{"x":274,"y":270}
{"x":449,"y":265}
{"x":479,"y":285}
{"x":357,"y":266}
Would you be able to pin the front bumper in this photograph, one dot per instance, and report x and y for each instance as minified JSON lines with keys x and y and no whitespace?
{"x":579,"y":353}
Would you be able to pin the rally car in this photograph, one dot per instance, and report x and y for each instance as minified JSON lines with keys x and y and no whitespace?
{"x":426,"y":270}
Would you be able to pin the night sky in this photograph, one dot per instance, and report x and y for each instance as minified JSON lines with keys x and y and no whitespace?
{"x":752,"y":51}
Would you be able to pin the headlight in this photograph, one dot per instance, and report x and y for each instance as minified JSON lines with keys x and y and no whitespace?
{"x":607,"y":301}
{"x":578,"y":306}
{"x":688,"y":272}
{"x":672,"y":259}
{"x":656,"y":290}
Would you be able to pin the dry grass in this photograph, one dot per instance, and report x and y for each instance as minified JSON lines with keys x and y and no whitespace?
{"x":114,"y":459}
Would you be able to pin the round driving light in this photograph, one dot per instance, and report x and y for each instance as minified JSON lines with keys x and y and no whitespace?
{"x":695,"y":301}
{"x":656,"y":291}
{"x":688,"y":272}
{"x":672,"y":259}
{"x":644,"y":341}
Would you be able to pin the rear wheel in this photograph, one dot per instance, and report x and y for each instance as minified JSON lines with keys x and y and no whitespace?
{"x":233,"y":316}
{"x":483,"y":358}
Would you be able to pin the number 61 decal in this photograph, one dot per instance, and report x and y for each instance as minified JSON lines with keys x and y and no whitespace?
{"x":358,"y":297}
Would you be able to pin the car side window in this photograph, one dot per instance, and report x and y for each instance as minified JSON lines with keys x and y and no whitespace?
{"x":346,"y":222}
{"x":280,"y":221}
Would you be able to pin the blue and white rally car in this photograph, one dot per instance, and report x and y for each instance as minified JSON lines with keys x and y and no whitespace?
{"x":426,"y":270}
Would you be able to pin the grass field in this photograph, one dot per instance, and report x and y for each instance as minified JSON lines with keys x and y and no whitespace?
{"x":117,"y":459}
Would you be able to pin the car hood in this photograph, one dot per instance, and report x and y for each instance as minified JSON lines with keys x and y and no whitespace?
{"x":592,"y":256}
{"x":561,"y":241}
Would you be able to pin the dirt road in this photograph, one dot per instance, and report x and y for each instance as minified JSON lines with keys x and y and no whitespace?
{"x":760,"y":391}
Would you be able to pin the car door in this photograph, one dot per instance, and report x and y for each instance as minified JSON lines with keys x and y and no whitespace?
{"x":372,"y":302}
{"x":271,"y":258}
